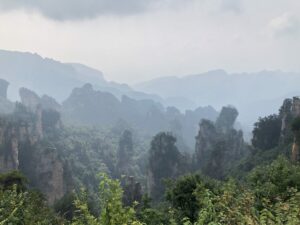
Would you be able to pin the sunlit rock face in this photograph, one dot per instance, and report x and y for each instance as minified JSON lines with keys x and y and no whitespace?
{"x":290,"y":111}
{"x":296,"y":145}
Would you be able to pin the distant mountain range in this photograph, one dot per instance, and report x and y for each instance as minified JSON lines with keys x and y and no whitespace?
{"x":254,"y":94}
{"x":47,"y":76}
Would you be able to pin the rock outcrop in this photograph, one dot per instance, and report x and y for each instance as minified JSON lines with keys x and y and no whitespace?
{"x":22,"y":145}
{"x":49,"y":176}
{"x":21,"y":148}
{"x":5,"y":105}
{"x":132,"y":191}
{"x":290,"y":112}
{"x":32,"y":101}
{"x":218,"y":144}
{"x":164,"y":162}
{"x":9,"y":153}
{"x":3,"y":88}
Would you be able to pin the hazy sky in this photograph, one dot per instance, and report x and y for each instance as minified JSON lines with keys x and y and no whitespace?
{"x":135,"y":40}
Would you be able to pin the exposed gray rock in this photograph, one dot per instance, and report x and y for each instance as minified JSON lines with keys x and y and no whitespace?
{"x":3,"y":88}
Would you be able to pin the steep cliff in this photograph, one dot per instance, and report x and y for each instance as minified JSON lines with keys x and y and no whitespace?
{"x":3,"y":88}
{"x":132,"y":190}
{"x":23,"y":146}
{"x":31,"y":100}
{"x":5,"y":105}
{"x":290,"y":114}
{"x":91,"y":107}
{"x":219,"y":145}
{"x":164,"y":162}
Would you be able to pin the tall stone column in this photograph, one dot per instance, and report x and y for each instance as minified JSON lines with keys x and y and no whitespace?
{"x":3,"y":88}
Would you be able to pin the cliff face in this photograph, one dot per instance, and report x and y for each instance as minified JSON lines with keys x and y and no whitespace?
{"x":289,"y":112}
{"x":22,"y":146}
{"x":218,"y":144}
{"x":9,"y":159}
{"x":49,"y":175}
{"x":5,"y":105}
{"x":132,"y":190}
{"x":3,"y":88}
{"x":31,"y":100}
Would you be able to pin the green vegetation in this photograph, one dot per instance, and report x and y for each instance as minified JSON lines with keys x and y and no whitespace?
{"x":270,"y":196}
{"x":145,"y":180}
{"x":266,"y":132}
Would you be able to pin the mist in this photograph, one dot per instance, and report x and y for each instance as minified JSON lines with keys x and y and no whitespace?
{"x":149,"y":112}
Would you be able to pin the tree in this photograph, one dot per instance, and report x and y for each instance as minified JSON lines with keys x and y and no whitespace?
{"x":164,"y":162}
{"x":266,"y":132}
{"x":182,"y":195}
{"x":8,"y":180}
{"x":274,"y":180}
{"x":125,"y":153}
{"x":25,"y":208}
{"x":112,"y":210}
{"x":296,"y":144}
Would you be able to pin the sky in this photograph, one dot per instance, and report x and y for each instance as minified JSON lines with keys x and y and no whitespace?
{"x":135,"y":40}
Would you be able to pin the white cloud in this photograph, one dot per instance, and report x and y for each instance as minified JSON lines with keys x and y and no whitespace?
{"x":232,"y":5}
{"x":164,"y":41}
{"x":286,"y":24}
{"x":82,"y":9}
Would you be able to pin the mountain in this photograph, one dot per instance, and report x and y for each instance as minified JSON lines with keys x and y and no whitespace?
{"x":6,"y":106}
{"x":56,"y":79}
{"x":87,"y":106}
{"x":254,"y":94}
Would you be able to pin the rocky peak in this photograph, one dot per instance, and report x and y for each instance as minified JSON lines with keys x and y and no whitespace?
{"x":22,"y":148}
{"x":285,"y":113}
{"x":290,"y":114}
{"x":33,"y":102}
{"x":29,"y":99}
{"x":48,"y":102}
{"x":3,"y":88}
{"x":296,"y":107}
{"x":227,"y":118}
{"x":219,"y":144}
{"x":205,"y":139}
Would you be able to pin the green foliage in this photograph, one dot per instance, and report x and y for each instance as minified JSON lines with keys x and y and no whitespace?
{"x":112,"y":210}
{"x":296,"y":124}
{"x":296,"y":129}
{"x":24,"y":208}
{"x":125,"y":154}
{"x":181,"y":195}
{"x":266,"y":132}
{"x":165,"y":161}
{"x":219,"y":146}
{"x":272,"y":181}
{"x":8,"y":180}
{"x":154,"y":216}
{"x":65,"y":207}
